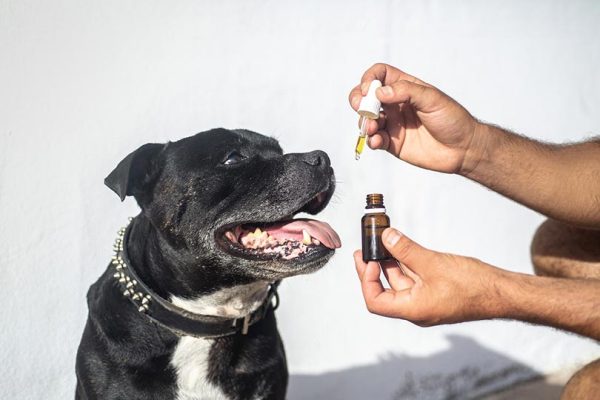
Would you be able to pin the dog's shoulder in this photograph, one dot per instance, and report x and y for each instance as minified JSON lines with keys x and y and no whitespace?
{"x":121,"y":353}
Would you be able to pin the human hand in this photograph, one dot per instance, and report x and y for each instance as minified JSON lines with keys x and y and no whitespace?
{"x":419,"y":123}
{"x":428,"y":288}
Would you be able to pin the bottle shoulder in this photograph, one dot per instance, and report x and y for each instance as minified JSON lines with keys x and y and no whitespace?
{"x":375,"y":216}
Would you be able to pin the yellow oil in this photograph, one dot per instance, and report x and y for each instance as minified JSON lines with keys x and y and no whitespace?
{"x":360,"y":145}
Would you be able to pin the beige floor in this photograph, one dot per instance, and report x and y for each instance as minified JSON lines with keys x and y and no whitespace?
{"x":546,"y":388}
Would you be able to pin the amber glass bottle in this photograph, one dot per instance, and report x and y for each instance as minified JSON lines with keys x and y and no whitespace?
{"x":373,"y":224}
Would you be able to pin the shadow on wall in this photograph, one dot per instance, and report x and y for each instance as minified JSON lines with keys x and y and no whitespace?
{"x":411,"y":378}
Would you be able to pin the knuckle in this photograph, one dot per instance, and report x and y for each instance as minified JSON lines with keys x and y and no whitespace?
{"x":370,"y":308}
{"x":423,"y":324}
{"x":352,"y":97}
{"x":402,"y":85}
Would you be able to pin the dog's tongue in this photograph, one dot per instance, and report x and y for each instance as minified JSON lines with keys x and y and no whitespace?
{"x":317,"y":229}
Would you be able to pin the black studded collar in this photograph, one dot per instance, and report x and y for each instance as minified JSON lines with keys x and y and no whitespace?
{"x":170,"y":316}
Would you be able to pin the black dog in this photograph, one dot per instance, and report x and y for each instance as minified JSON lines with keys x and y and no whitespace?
{"x":184,"y":310}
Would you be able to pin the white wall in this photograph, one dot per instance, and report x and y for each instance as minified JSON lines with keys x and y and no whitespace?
{"x":82,"y":83}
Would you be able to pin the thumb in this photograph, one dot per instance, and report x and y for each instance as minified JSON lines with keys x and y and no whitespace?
{"x":405,"y":250}
{"x":424,"y":98}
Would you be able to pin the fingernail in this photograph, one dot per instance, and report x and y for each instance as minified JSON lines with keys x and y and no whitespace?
{"x":386,"y":90}
{"x":392,"y":236}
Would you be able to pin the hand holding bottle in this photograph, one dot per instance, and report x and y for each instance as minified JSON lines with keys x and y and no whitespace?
{"x":427,"y":287}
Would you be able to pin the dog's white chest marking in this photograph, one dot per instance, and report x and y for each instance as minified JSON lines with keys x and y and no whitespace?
{"x":191,"y":356}
{"x":190,"y":361}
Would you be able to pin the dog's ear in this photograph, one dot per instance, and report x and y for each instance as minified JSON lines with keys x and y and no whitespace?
{"x":135,"y":171}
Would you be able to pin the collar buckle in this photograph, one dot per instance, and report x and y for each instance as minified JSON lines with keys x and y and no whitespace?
{"x":246,"y":324}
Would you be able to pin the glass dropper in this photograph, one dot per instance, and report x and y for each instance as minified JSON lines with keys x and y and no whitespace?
{"x":368,"y":108}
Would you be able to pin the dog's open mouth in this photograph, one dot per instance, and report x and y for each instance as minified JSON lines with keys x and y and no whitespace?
{"x":287,"y":239}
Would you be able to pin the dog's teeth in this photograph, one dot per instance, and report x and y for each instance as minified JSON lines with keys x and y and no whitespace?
{"x":249,"y":240}
{"x":316,"y":242}
{"x":306,"y":239}
{"x":230,"y":235}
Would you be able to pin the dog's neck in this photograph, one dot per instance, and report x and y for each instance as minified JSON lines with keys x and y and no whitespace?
{"x":208,"y":291}
{"x":233,"y":302}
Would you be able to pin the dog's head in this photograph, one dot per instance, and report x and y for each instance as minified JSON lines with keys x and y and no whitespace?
{"x":227,"y":199}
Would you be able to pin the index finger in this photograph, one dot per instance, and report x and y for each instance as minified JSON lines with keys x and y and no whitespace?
{"x":372,"y":288}
{"x":382,"y":72}
{"x":387,"y":75}
{"x":354,"y":97}
{"x":386,"y":302}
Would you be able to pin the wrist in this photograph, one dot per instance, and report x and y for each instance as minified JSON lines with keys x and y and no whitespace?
{"x":479,"y":151}
{"x":499,"y":294}
{"x":514,"y":294}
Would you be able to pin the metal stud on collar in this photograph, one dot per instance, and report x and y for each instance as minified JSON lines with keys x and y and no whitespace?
{"x":127,"y":284}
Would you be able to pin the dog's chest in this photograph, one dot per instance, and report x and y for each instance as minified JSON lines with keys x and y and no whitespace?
{"x":191,"y":355}
{"x":191,"y":363}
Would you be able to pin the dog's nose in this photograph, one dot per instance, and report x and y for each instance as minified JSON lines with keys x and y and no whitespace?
{"x":316,"y":158}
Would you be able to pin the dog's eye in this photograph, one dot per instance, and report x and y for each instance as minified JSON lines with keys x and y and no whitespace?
{"x":233,"y":158}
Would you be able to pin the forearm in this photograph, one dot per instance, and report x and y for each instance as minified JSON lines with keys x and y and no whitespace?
{"x":561,"y":182}
{"x":569,"y":304}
